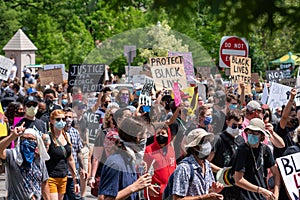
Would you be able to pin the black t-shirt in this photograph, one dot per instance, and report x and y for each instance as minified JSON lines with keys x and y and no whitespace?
{"x":37,"y":124}
{"x":255,"y":174}
{"x":286,"y":136}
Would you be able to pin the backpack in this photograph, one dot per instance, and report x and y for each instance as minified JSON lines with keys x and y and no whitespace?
{"x":167,"y":194}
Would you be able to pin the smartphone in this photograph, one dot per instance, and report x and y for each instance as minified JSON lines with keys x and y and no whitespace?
{"x":146,"y":108}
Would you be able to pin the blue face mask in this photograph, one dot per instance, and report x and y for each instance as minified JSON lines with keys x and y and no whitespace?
{"x":253,"y":139}
{"x":207,"y":120}
{"x":27,"y":148}
{"x":60,"y":125}
{"x":232,"y":107}
{"x":64,"y":101}
{"x":137,"y":93}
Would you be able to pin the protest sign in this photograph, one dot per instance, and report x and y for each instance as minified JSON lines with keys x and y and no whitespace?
{"x":57,"y":66}
{"x":240,"y":72}
{"x":167,"y":70}
{"x":91,"y":101}
{"x":274,"y":75}
{"x":291,"y":82}
{"x":286,"y":69}
{"x":255,"y":78}
{"x":88,"y":77}
{"x":289,"y":167}
{"x":93,"y":122}
{"x":187,"y":63}
{"x":204,"y":71}
{"x":133,"y":70}
{"x":145,"y":96}
{"x":177,"y":96}
{"x":138,"y":78}
{"x":279,"y":95}
{"x":5,"y":67}
{"x":52,"y":75}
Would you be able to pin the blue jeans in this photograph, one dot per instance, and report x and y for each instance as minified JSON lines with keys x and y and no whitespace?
{"x":70,"y":195}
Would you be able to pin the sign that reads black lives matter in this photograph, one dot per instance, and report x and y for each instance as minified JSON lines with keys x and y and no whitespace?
{"x":167,"y":70}
{"x":87,"y":77}
{"x":240,"y":71}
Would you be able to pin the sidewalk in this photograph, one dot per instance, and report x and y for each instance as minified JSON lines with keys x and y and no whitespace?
{"x":3,"y":190}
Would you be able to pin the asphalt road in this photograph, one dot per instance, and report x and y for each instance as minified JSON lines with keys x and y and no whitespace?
{"x":3,"y":190}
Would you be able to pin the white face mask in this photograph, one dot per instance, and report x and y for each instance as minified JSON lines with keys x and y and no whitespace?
{"x":205,"y":150}
{"x":137,"y":149}
{"x":31,"y":112}
{"x":233,"y":132}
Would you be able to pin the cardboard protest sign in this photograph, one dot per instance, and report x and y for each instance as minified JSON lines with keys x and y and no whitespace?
{"x":279,"y":95}
{"x":145,"y":96}
{"x":289,"y":167}
{"x":5,"y":67}
{"x":177,"y":96}
{"x":133,"y":70}
{"x":167,"y":70}
{"x":187,"y":63}
{"x":52,"y":75}
{"x":240,"y":72}
{"x":138,"y":78}
{"x":274,"y":75}
{"x":88,"y":77}
{"x":291,"y":82}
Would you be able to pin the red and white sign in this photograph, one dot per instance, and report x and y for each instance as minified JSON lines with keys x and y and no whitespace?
{"x":232,"y":46}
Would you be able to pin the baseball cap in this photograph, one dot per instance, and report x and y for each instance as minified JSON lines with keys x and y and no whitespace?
{"x":253,"y":105}
{"x":195,"y":136}
{"x":30,"y":99}
{"x":257,"y":124}
{"x":31,"y":90}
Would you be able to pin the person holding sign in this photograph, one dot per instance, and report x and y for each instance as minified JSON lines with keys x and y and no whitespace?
{"x":250,"y":165}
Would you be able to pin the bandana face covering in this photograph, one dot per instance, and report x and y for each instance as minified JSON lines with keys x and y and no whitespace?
{"x":27,"y":148}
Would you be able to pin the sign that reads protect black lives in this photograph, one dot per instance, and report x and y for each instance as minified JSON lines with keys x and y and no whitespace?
{"x":87,"y":77}
{"x":167,"y":70}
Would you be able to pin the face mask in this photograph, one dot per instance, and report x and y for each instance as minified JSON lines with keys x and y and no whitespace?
{"x":55,"y":101}
{"x":60,"y":125}
{"x":27,"y":148}
{"x":207,"y":120}
{"x":124,"y":99}
{"x":139,"y":149}
{"x":64,"y":102}
{"x":49,"y":102}
{"x":162,"y":139}
{"x":232,"y":107}
{"x":31,"y":112}
{"x":295,"y":122}
{"x":40,"y":113}
{"x":137,"y":93}
{"x":69,"y":121}
{"x":105,"y":105}
{"x":233,"y":132}
{"x":20,"y":114}
{"x":205,"y":150}
{"x":253,"y":139}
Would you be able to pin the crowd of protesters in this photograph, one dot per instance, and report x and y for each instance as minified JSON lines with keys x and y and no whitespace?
{"x":142,"y":151}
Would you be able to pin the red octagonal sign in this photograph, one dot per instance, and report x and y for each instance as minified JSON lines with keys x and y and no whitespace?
{"x":232,"y":46}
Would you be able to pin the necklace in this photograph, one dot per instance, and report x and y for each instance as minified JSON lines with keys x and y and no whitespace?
{"x":260,"y":158}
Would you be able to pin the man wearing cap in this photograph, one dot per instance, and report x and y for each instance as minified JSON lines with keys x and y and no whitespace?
{"x":31,"y":108}
{"x":250,"y":165}
{"x":203,"y":185}
{"x":25,"y":165}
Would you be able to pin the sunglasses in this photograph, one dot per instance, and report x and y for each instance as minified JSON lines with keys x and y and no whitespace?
{"x":60,"y":119}
{"x":234,"y":126}
{"x":31,"y":104}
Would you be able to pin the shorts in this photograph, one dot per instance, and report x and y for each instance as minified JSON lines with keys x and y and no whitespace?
{"x":57,"y":185}
{"x":85,"y":151}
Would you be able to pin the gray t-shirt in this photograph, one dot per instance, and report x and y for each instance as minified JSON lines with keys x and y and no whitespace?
{"x":23,"y":183}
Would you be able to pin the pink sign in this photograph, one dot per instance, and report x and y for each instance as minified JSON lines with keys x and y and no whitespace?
{"x":17,"y":120}
{"x":177,"y":96}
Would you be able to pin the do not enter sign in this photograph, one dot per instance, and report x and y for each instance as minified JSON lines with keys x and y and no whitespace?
{"x":232,"y":46}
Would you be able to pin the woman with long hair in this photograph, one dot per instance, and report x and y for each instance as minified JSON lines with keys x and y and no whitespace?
{"x":59,"y":149}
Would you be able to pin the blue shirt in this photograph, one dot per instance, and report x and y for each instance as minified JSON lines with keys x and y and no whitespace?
{"x":117,"y":173}
{"x":200,"y":184}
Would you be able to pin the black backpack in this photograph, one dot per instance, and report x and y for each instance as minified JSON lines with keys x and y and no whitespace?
{"x":167,"y":194}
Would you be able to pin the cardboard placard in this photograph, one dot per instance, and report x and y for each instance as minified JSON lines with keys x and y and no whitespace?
{"x":279,"y":95}
{"x":5,"y":67}
{"x":240,"y":71}
{"x":167,"y":70}
{"x":289,"y":168}
{"x":145,"y":96}
{"x":93,"y":122}
{"x":177,"y":96}
{"x":138,"y":78}
{"x":291,"y":82}
{"x":187,"y":63}
{"x":274,"y":75}
{"x":133,"y":70}
{"x":88,"y":77}
{"x":52,"y":75}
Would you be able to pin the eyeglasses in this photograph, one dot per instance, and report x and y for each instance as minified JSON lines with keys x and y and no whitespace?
{"x":31,"y":104}
{"x":60,"y":119}
{"x":234,"y":126}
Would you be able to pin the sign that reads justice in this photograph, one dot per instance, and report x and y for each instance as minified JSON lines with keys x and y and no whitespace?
{"x":240,"y":71}
{"x":88,"y":77}
{"x":167,"y":70}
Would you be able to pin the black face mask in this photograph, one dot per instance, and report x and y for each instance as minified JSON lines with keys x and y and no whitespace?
{"x":20,"y":114}
{"x":105,"y":105}
{"x":49,"y":102}
{"x":161,"y":139}
{"x":295,"y":122}
{"x":39,"y":114}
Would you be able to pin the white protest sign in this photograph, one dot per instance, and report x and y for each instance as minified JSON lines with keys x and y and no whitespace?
{"x":138,"y":78}
{"x":91,"y":101}
{"x":5,"y":67}
{"x":240,"y":72}
{"x":290,"y":172}
{"x":167,"y":70}
{"x":279,"y":95}
{"x":145,"y":96}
